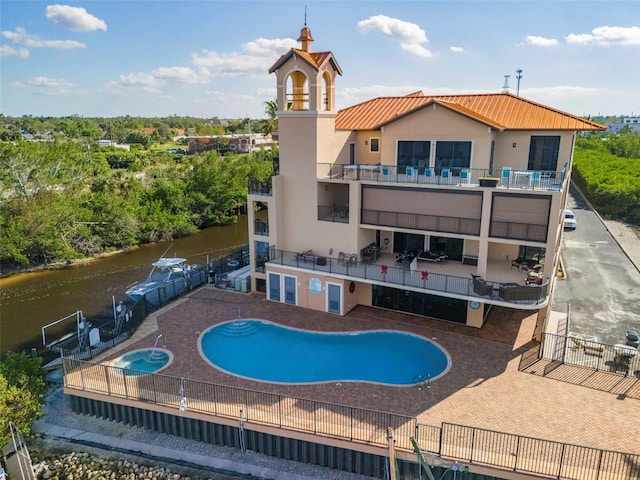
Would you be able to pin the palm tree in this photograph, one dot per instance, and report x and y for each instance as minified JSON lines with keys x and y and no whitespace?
{"x":271,"y":124}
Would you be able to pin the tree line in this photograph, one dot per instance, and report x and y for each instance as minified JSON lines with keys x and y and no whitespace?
{"x":118,"y":128}
{"x":63,"y":200}
{"x":606,"y":168}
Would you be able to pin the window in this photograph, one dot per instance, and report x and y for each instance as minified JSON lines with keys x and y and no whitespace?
{"x":413,"y":153}
{"x":543,"y":153}
{"x":453,"y":155}
{"x":374,"y":144}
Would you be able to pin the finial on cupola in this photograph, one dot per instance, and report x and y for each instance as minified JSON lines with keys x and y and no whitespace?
{"x":305,"y":34}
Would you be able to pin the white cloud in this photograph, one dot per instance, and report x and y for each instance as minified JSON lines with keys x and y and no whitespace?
{"x":255,"y":58}
{"x":267,"y":46}
{"x":537,"y":41}
{"x":455,"y":49}
{"x":409,"y":35}
{"x":21,"y":37}
{"x":145,"y":82}
{"x":605,"y":36}
{"x":6,"y":51}
{"x":180,"y":75}
{"x":46,"y":86}
{"x":74,"y":18}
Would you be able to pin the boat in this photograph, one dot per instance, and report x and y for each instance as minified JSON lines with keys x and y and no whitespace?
{"x":171,"y":273}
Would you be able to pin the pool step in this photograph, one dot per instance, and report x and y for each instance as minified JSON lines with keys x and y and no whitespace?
{"x":240,"y":328}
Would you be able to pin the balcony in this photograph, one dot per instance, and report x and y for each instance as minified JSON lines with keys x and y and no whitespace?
{"x":260,"y":227}
{"x":257,"y":187}
{"x":333,"y":213}
{"x":455,"y":278}
{"x":534,"y":180}
{"x":434,"y":223}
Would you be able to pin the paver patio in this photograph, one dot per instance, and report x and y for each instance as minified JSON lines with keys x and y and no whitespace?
{"x":483,"y":388}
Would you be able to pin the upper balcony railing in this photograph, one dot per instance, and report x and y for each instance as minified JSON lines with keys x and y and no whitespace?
{"x":416,"y":221}
{"x":429,"y":282}
{"x":542,"y":180}
{"x":261,"y":227}
{"x":258,"y":187}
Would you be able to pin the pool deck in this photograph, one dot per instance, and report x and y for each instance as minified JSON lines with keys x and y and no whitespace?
{"x":483,"y":388}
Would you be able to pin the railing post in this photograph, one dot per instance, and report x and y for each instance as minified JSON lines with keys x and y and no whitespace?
{"x":82,"y":378}
{"x":351,"y":426}
{"x":315,"y":420}
{"x":561,"y":461}
{"x":124,"y":380}
{"x":106,"y":376}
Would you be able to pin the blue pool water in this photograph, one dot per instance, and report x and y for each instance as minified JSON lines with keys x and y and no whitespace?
{"x":264,"y":351}
{"x":144,"y":361}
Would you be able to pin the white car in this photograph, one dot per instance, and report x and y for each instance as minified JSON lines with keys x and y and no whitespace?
{"x":570,"y":220}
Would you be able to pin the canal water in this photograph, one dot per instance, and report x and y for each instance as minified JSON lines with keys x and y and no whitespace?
{"x":31,"y":300}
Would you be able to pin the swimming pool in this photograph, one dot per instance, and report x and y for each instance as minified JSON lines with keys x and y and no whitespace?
{"x":264,"y":351}
{"x":140,"y":362}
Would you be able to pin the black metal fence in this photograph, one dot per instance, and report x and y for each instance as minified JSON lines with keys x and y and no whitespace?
{"x":465,"y":444}
{"x":384,"y":274}
{"x":569,"y":350}
{"x":128,"y":319}
{"x":415,"y":221}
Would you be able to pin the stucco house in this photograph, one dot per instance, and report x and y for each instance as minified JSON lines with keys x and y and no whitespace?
{"x":437,"y":205}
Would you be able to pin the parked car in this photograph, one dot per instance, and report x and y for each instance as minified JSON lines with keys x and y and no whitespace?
{"x":570,"y":220}
{"x":633,"y":338}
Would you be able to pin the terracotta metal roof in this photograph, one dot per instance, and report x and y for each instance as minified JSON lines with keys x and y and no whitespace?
{"x":316,"y":59}
{"x":502,"y":111}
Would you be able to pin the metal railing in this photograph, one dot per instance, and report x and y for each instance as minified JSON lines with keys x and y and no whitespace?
{"x":542,"y":180}
{"x":415,"y":221}
{"x":333,"y":214}
{"x":116,"y":330}
{"x":260,"y":227}
{"x":518,"y":231}
{"x":569,"y":350}
{"x":258,"y":187}
{"x":391,"y":275}
{"x":458,"y":442}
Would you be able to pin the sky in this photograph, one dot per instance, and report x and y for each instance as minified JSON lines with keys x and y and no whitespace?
{"x":210,"y":58}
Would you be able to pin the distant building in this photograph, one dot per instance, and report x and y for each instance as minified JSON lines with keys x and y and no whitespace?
{"x":112,"y":143}
{"x":632,"y":122}
{"x":242,"y":143}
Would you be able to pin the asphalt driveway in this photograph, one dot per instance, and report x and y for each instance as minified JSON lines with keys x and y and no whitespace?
{"x":602,"y":285}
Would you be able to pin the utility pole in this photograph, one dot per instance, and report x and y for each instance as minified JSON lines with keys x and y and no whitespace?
{"x":518,"y":77}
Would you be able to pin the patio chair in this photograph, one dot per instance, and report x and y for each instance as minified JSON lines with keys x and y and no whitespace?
{"x":342,"y":258}
{"x":505,"y":177}
{"x":445,"y":176}
{"x":412,"y":174}
{"x":386,"y":174}
{"x":353,"y":260}
{"x":429,"y":175}
{"x":536,"y":178}
{"x":464,"y":177}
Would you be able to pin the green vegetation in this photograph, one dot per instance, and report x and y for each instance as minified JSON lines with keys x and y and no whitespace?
{"x":66,"y":199}
{"x":22,"y":388}
{"x":607,"y":170}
